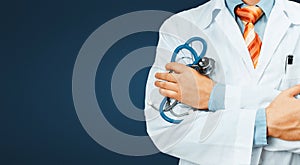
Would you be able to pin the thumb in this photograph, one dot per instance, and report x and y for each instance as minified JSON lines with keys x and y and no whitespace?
{"x":176,"y":67}
{"x":293,"y":91}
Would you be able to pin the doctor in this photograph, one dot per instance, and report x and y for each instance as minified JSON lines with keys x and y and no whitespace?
{"x":253,"y":116}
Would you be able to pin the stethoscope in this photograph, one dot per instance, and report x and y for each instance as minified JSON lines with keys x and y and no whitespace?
{"x":202,"y":64}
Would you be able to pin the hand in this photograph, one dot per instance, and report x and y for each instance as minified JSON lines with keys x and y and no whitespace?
{"x":185,"y":85}
{"x":283,"y":115}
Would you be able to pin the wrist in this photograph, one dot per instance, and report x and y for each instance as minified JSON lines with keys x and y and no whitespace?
{"x":204,"y":100}
{"x":272,"y":130}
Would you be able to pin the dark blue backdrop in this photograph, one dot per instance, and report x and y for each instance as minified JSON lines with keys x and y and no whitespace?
{"x":40,"y":41}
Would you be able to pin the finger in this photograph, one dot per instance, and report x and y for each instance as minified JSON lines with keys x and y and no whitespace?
{"x":165,"y":76}
{"x":168,"y":93}
{"x":176,"y":67}
{"x":293,"y":91}
{"x":167,"y":85}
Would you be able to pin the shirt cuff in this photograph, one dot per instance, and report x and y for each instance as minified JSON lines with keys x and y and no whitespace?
{"x":217,"y":98}
{"x":260,"y":129}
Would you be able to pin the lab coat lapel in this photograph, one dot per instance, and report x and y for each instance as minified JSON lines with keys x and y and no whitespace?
{"x":276,"y":29}
{"x":230,"y":28}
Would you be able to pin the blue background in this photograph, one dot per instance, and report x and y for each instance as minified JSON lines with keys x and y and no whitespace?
{"x":40,"y":41}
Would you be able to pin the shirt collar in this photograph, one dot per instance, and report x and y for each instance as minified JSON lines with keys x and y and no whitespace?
{"x":209,"y":11}
{"x":265,"y":5}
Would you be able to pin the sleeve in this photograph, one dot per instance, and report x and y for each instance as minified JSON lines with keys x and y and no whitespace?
{"x":255,"y":97}
{"x":217,"y":98}
{"x":261,"y":96}
{"x":201,"y":136}
{"x":226,"y":96}
{"x":260,"y":129}
{"x":249,"y":97}
{"x":279,"y":145}
{"x":217,"y":102}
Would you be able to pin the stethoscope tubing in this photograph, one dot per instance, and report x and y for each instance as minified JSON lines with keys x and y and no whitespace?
{"x":197,"y":59}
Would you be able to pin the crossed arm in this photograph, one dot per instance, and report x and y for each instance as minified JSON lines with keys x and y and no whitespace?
{"x":189,"y":87}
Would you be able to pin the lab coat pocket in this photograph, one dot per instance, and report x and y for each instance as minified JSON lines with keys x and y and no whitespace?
{"x":293,"y":72}
{"x":291,"y":77}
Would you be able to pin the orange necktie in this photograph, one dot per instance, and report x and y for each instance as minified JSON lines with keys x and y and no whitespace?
{"x":249,"y":15}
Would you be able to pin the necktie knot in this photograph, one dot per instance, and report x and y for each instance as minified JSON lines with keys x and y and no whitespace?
{"x":249,"y":14}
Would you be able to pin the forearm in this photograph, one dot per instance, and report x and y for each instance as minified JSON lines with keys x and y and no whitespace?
{"x":283,"y":105}
{"x":205,"y":134}
{"x":201,"y":134}
{"x":218,"y":99}
{"x":229,"y":96}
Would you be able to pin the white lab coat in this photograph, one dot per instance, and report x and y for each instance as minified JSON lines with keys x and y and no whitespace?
{"x":226,"y":136}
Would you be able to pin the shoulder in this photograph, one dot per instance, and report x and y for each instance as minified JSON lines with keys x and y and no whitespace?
{"x":292,"y":5}
{"x":293,"y":11}
{"x":195,"y":12}
{"x":199,"y":16}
